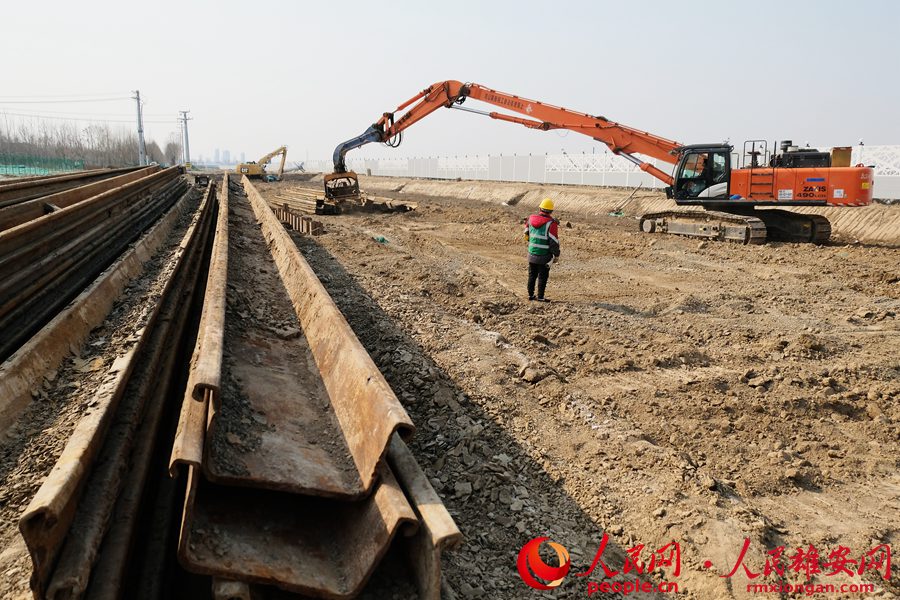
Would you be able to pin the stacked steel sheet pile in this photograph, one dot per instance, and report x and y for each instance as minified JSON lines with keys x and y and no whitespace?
{"x":21,"y":189}
{"x":329,"y":484}
{"x":80,"y":526}
{"x":308,"y":201}
{"x":297,"y":222}
{"x":46,"y":259}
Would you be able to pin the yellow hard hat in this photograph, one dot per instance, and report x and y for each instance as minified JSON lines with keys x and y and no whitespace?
{"x":546,"y":204}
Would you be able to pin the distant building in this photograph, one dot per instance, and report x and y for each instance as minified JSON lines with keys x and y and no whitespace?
{"x":226,"y":157}
{"x":243,"y":158}
{"x":217,"y":158}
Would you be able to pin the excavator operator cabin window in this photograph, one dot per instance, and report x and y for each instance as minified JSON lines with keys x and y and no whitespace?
{"x":694,"y":165}
{"x":719,"y":170}
{"x":692,"y":178}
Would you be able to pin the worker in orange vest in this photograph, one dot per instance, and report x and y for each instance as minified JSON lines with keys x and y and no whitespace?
{"x":542,"y":235}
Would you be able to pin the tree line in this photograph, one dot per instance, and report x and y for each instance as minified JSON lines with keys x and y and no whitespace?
{"x":97,"y":144}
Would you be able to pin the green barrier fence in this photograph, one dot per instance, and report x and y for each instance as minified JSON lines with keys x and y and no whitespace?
{"x":25,"y":165}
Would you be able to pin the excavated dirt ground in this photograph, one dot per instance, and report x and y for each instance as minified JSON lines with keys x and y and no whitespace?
{"x":672,"y":391}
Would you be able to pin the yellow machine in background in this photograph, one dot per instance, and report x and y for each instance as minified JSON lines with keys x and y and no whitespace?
{"x":258,"y":168}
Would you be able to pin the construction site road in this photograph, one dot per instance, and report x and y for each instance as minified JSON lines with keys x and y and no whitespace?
{"x":673,"y":390}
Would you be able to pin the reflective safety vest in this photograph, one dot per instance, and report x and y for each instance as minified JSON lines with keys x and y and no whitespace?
{"x":538,"y":238}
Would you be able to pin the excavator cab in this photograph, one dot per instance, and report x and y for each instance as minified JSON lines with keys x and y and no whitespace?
{"x":703,"y":173}
{"x":340,"y":186}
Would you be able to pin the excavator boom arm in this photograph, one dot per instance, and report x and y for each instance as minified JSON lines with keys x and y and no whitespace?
{"x":622,"y":140}
{"x":442,"y":94}
{"x":268,"y":157}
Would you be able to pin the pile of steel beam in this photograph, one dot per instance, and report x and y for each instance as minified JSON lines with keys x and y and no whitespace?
{"x":297,"y":222}
{"x":48,"y":198}
{"x":80,"y":526}
{"x":309,"y":201}
{"x":47,"y":259}
{"x":301,"y":201}
{"x":21,"y":189}
{"x":143,"y":502}
{"x":314,"y":508}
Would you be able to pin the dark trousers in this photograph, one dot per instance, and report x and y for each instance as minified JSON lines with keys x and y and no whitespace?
{"x":537,"y":273}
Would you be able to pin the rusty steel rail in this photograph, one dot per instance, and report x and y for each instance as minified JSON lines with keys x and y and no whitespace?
{"x":52,"y":258}
{"x":20,"y":190}
{"x":86,"y":510}
{"x":368,"y":410}
{"x":287,"y":518}
{"x":26,"y":210}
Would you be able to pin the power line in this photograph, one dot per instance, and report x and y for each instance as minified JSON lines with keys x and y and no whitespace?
{"x":64,"y":101}
{"x":53,"y":117}
{"x":81,"y":95}
{"x":84,"y":114}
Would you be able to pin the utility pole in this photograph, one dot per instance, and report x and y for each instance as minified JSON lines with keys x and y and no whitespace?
{"x":187,"y":148}
{"x":142,"y":149}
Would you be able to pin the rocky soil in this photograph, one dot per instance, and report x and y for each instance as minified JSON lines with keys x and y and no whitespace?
{"x":674,"y":390}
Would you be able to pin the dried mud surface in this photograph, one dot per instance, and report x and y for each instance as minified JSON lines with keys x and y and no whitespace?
{"x":673,"y":390}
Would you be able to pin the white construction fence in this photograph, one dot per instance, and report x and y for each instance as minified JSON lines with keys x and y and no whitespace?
{"x":603,"y":169}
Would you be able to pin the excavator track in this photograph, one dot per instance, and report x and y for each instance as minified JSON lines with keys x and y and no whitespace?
{"x":707,"y":224}
{"x":786,"y":226}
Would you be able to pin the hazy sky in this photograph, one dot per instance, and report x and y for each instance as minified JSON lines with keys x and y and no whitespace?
{"x":310,"y":75}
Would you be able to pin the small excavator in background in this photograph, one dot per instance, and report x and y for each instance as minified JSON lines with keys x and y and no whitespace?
{"x":703,"y":174}
{"x":258,"y":168}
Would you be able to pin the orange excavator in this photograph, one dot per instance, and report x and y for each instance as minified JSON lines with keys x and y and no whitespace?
{"x":703,"y":174}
